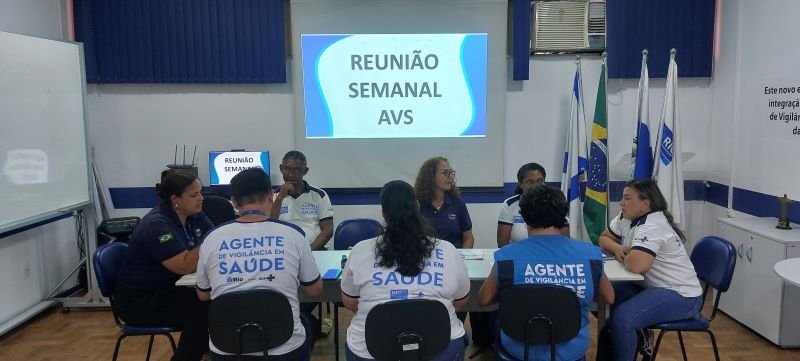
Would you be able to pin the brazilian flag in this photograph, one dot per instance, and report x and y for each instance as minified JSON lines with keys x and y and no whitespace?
{"x":596,"y":203}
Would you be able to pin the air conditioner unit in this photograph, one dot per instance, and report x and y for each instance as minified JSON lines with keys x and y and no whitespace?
{"x":568,"y":26}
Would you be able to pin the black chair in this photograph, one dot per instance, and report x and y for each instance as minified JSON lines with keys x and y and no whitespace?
{"x":250,"y":321}
{"x":347,"y":235}
{"x":107,"y":261}
{"x":407,"y":330}
{"x":218,"y":209}
{"x":538,"y":315}
{"x":714,"y":260}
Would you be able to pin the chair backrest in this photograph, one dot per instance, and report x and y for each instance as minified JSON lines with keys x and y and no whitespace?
{"x":407,"y":329}
{"x":250,"y":321}
{"x":521,"y":305}
{"x":714,"y":259}
{"x":106,"y":261}
{"x":218,"y":209}
{"x":355,"y":230}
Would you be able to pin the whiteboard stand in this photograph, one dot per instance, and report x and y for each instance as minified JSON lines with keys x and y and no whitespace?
{"x":92,"y":297}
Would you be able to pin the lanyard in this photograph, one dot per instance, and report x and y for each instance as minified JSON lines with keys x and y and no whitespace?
{"x":252,"y":211}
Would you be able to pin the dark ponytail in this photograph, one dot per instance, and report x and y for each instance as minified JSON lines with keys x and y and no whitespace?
{"x":174,"y":183}
{"x":648,"y":189}
{"x":406,"y":242}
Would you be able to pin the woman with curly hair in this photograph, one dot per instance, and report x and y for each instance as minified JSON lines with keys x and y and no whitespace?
{"x":405,"y":255}
{"x":440,"y":202}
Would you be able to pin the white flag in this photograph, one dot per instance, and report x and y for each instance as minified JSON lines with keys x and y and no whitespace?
{"x":574,"y":171}
{"x":668,"y":171}
{"x":641,"y":151}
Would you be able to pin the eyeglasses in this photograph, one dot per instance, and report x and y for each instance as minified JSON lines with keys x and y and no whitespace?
{"x":290,"y":170}
{"x":449,"y":173}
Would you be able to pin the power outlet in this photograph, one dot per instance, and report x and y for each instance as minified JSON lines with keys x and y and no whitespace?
{"x":26,"y":271}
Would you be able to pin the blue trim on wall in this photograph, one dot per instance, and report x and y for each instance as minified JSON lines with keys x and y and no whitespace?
{"x":746,"y":201}
{"x":717,"y":193}
{"x":762,"y":205}
{"x":145,"y":197}
{"x":34,"y":225}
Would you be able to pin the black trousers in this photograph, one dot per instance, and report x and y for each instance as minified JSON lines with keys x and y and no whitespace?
{"x":169,"y":306}
{"x":307,"y":309}
{"x":481,"y":324}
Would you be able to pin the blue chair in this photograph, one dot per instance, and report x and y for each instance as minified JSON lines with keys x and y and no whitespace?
{"x":355,"y":230}
{"x":107,"y":261}
{"x":714,"y":259}
{"x":347,"y":234}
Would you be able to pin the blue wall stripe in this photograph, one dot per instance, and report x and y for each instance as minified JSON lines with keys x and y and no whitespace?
{"x":34,"y":225}
{"x":717,"y":194}
{"x":762,"y":205}
{"x":746,"y":201}
{"x":145,"y":197}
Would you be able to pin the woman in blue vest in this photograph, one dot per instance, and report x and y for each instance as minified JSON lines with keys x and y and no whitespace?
{"x":544,"y":210}
{"x":163,"y":247}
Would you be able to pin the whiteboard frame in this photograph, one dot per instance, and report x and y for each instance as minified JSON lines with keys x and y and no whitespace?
{"x":90,"y":203}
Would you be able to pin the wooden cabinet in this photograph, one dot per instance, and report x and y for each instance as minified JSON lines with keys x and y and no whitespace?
{"x":758,"y":298}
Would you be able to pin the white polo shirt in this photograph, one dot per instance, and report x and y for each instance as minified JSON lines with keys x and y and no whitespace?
{"x":271,"y":254}
{"x":509,"y":215}
{"x":444,"y":278}
{"x":652,"y":233}
{"x":307,"y":210}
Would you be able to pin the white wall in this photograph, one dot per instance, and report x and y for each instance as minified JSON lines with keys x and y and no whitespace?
{"x":34,"y":261}
{"x":42,"y":18}
{"x":152,"y":118}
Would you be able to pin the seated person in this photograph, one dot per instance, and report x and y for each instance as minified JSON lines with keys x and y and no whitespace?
{"x":441,"y":204}
{"x":301,"y":204}
{"x":309,"y":208}
{"x":402,"y":251}
{"x":252,"y":196}
{"x":646,"y":240}
{"x":510,"y":225}
{"x":162,"y":248}
{"x":544,"y":210}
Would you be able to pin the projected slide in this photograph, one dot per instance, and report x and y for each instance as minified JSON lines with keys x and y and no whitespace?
{"x":222,"y":166}
{"x":395,"y":85}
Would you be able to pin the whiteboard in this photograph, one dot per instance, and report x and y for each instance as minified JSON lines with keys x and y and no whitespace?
{"x":43,"y":153}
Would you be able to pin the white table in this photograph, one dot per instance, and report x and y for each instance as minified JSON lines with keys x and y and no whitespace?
{"x":478,"y":271}
{"x":789,"y":270}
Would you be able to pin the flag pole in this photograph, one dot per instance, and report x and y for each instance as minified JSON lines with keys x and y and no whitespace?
{"x":608,"y":173}
{"x":657,"y":149}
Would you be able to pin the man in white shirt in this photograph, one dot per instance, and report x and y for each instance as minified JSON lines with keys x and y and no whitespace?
{"x":255,"y":251}
{"x":301,"y":204}
{"x":307,"y":207}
